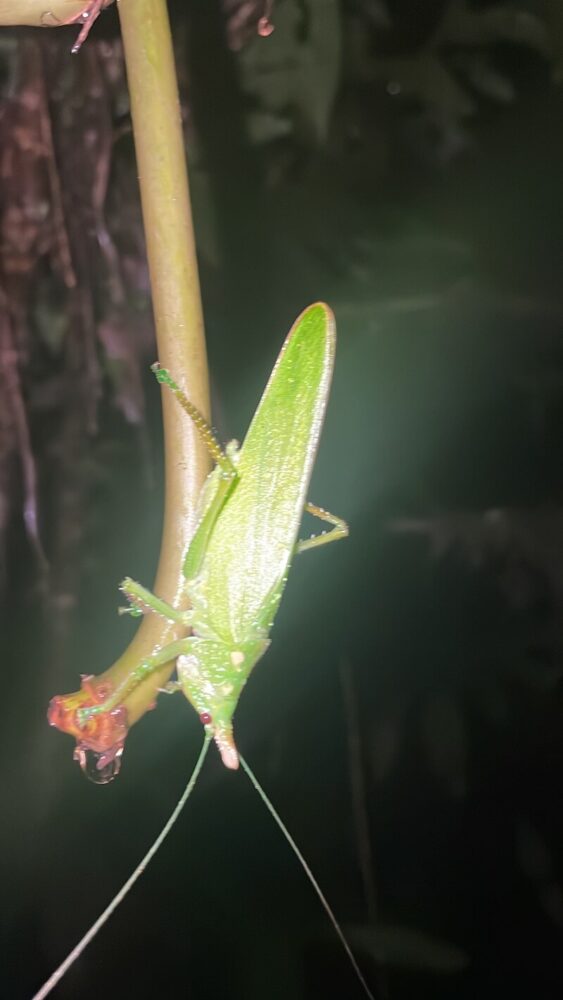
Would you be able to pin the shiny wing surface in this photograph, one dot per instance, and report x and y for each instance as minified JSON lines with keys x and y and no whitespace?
{"x":253,"y":541}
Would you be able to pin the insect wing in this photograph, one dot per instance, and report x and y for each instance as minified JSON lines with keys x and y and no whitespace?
{"x":252,"y":543}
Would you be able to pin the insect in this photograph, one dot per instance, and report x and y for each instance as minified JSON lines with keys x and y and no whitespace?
{"x":249,"y":515}
{"x":236,"y":567}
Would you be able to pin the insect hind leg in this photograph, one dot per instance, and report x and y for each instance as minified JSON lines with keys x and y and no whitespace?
{"x":339,"y":529}
{"x":220,"y":457}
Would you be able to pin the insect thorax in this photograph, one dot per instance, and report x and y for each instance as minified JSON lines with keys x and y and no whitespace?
{"x":213,"y":674}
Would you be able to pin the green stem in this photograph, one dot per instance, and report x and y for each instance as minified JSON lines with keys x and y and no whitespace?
{"x":177,"y":308}
{"x":157,"y":130}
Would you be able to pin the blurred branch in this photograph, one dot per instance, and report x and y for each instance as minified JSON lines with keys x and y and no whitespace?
{"x":41,"y":13}
{"x":511,"y":539}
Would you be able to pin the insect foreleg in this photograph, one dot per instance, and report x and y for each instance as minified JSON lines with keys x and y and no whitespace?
{"x":169,"y":652}
{"x":339,"y":529}
{"x":144,"y":602}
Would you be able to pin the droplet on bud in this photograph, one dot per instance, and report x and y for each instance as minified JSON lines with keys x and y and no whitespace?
{"x":99,"y":766}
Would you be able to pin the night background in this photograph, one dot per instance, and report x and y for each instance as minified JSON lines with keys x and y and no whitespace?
{"x":402,"y":161}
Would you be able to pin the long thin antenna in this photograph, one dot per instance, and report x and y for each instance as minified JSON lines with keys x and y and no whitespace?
{"x":310,"y":876}
{"x":117,"y":899}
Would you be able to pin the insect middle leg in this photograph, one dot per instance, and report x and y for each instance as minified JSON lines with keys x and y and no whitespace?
{"x":339,"y":529}
{"x":144,"y":602}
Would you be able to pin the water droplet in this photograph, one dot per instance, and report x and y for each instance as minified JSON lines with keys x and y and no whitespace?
{"x":99,"y":766}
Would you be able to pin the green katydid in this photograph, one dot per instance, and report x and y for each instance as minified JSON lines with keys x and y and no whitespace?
{"x":250,"y":511}
{"x":237,"y":563}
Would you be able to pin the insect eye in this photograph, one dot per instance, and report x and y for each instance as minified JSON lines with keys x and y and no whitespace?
{"x":205,"y":718}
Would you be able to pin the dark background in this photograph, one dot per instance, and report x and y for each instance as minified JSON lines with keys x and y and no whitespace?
{"x":402,"y":161}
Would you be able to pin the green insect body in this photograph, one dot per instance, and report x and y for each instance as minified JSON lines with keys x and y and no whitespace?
{"x":249,"y":515}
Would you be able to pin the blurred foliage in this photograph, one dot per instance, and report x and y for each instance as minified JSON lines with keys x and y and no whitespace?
{"x":72,"y":285}
{"x":320,"y":49}
{"x":399,"y":946}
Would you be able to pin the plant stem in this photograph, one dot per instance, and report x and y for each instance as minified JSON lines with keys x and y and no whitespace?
{"x":157,"y":130}
{"x":177,"y":308}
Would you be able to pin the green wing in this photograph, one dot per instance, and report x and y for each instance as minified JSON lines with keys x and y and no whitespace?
{"x":250,"y":549}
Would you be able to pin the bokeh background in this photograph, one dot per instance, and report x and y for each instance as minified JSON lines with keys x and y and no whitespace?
{"x":403,"y":161}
